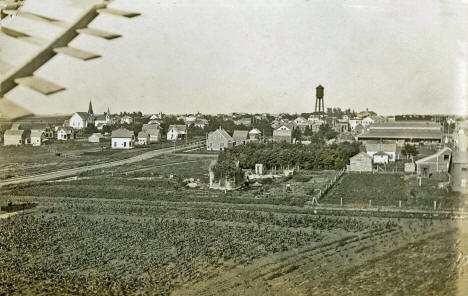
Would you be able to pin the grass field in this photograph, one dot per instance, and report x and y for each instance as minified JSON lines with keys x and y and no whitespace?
{"x":29,"y":160}
{"x":388,"y":189}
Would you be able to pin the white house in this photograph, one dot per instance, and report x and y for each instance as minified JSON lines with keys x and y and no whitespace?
{"x":14,"y":137}
{"x":143,"y":138}
{"x":176,"y":131}
{"x":371,"y":120}
{"x":65,"y":133}
{"x":122,"y":139}
{"x":300,"y":120}
{"x":102,"y":120}
{"x":81,"y":120}
{"x":284,"y":128}
{"x":255,"y":134}
{"x":37,"y":137}
{"x":126,"y":119}
{"x":353,"y":122}
{"x":381,"y":157}
{"x":389,"y":148}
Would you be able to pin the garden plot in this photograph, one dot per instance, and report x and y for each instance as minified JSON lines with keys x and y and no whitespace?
{"x":386,"y":190}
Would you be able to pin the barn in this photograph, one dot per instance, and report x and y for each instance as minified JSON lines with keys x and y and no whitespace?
{"x":438,"y":162}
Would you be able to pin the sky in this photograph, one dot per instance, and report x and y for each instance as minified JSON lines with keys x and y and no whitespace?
{"x":389,"y":56}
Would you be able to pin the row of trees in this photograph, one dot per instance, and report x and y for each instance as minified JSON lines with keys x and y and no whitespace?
{"x":282,"y":155}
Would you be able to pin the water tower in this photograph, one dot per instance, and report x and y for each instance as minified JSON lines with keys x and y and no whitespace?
{"x":319,"y":106}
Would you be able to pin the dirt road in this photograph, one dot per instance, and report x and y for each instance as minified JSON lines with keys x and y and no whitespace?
{"x":74,"y":171}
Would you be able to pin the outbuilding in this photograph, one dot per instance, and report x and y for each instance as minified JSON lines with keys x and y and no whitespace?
{"x":96,"y":138}
{"x":435,"y":163}
{"x":361,"y":162}
{"x":143,"y":138}
{"x":219,"y":140}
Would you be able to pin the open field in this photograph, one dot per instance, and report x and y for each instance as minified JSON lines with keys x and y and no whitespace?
{"x":387,"y":189}
{"x":29,"y":160}
{"x":106,"y":246}
{"x":136,"y":229}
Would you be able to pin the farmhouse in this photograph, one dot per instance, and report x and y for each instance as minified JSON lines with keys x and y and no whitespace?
{"x":39,"y":127}
{"x":143,"y":138}
{"x":37,"y":137}
{"x":361,"y":162}
{"x":96,"y":138}
{"x":282,"y":135}
{"x":65,"y":133}
{"x":122,"y":139}
{"x":240,"y":137}
{"x":176,"y":131}
{"x":154,"y":131}
{"x":438,"y":162}
{"x":388,"y":147}
{"x":15,"y":137}
{"x":404,"y":131}
{"x":219,"y":140}
{"x":459,"y":171}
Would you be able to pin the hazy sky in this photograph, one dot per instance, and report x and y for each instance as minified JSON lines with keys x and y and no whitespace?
{"x":267,"y":56}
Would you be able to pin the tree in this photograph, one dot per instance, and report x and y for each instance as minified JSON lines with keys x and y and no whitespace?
{"x":409,"y":150}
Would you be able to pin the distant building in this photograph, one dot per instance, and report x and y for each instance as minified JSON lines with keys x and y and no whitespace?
{"x":96,"y":138}
{"x":255,"y":134}
{"x":81,"y":120}
{"x":246,"y":121}
{"x":387,"y":147}
{"x":122,"y":139}
{"x":341,"y":126}
{"x":240,"y":137}
{"x":219,"y":140}
{"x":65,"y":133}
{"x":282,"y":135}
{"x":435,"y":163}
{"x":300,"y":119}
{"x":361,"y":162}
{"x":404,"y":132}
{"x":154,"y":131}
{"x":15,"y":137}
{"x":459,"y":171}
{"x":354,"y":122}
{"x":37,"y":137}
{"x":126,"y":119}
{"x":102,"y":120}
{"x":176,"y":131}
{"x":143,"y":138}
{"x":381,"y":157}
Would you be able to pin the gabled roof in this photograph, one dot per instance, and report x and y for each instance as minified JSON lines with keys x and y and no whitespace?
{"x":255,"y":131}
{"x":122,"y":133}
{"x":381,"y":153}
{"x":143,"y":134}
{"x":14,"y":132}
{"x":148,"y":127}
{"x":178,"y":127}
{"x":82,"y":115}
{"x":99,"y":135}
{"x":362,"y":154}
{"x":65,"y":128}
{"x":435,"y":155}
{"x":100,"y":117}
{"x":240,"y":135}
{"x":224,"y":134}
{"x":37,"y":133}
{"x":381,"y":146}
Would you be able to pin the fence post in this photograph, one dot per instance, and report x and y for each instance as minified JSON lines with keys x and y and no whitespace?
{"x":435,"y":205}
{"x":370,"y":203}
{"x":399,"y":203}
{"x":341,"y":201}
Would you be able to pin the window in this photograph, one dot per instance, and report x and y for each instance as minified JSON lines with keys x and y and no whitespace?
{"x":446,"y":157}
{"x":125,"y":144}
{"x":463,"y":183}
{"x":115,"y":144}
{"x":464,"y":169}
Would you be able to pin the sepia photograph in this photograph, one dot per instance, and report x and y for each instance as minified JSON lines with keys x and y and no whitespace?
{"x":234,"y":147}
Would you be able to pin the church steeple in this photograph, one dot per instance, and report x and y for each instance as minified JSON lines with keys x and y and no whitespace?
{"x":90,"y":109}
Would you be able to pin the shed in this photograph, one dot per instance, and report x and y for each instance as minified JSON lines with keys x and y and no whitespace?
{"x":361,"y":162}
{"x":240,"y":137}
{"x":143,"y":138}
{"x":438,"y":162}
{"x":95,"y":138}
